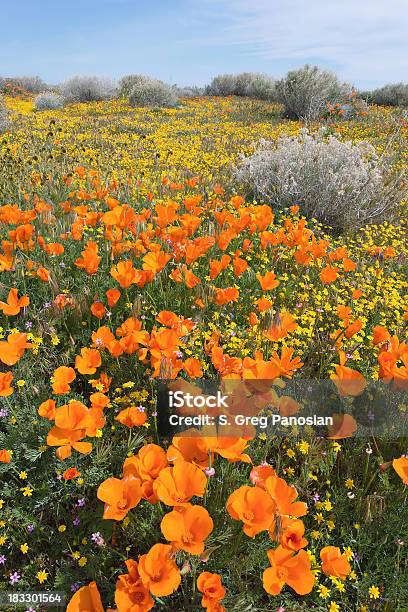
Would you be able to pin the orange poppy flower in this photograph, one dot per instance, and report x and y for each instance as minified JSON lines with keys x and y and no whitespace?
{"x":176,"y":485}
{"x":284,"y":496}
{"x":344,"y":426}
{"x":192,"y":367}
{"x":5,"y":456}
{"x":290,"y":569}
{"x":124,"y":273}
{"x":14,"y":304}
{"x":263,"y":304}
{"x":89,"y":260}
{"x":147,"y":464}
{"x":380,"y":335}
{"x":43,"y":274}
{"x":329,"y":274}
{"x":99,"y":400}
{"x":268,"y":281}
{"x":260,"y":473}
{"x":287,"y":405}
{"x":225,"y":296}
{"x":187,"y":528}
{"x":231,"y":448}
{"x":6,"y":379}
{"x":88,"y":361}
{"x":113,"y":296}
{"x":289,"y":533}
{"x":131,"y":593}
{"x":119,"y":496}
{"x":191,"y":447}
{"x":98,"y":310}
{"x":155,"y":261}
{"x":71,"y":473}
{"x":347,"y":380}
{"x":283,"y":324}
{"x":74,"y":415}
{"x":86,"y":599}
{"x":13,"y":348}
{"x":254,"y":507}
{"x":334,"y":563}
{"x":353,"y":329}
{"x":132,"y":417}
{"x":47,"y":409}
{"x":158,"y":571}
{"x":218,"y":265}
{"x":210,"y":586}
{"x":61,"y":380}
{"x":401,"y":467}
{"x":66,"y":440}
{"x":284,"y":364}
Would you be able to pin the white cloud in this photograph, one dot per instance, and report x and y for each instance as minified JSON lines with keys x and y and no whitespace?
{"x":364,"y":41}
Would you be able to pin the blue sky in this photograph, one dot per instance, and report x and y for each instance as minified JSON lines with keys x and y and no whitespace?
{"x":189,"y":41}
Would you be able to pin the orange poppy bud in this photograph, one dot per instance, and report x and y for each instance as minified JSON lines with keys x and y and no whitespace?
{"x":5,"y":456}
{"x":71,"y":473}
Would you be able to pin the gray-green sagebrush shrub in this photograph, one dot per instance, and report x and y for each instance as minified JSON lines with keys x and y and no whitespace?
{"x":87,"y":89}
{"x":306,"y":92}
{"x":395,"y":94}
{"x":4,"y":121}
{"x":153,"y":93}
{"x":126,"y":83}
{"x":341,"y":184}
{"x":247,"y":84}
{"x":48,"y":101}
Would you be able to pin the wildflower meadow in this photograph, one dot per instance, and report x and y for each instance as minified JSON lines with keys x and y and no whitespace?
{"x":234,"y":234}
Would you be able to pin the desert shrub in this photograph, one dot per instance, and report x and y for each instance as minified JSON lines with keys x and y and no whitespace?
{"x":343,"y":185}
{"x":126,"y":83}
{"x":306,"y":92}
{"x":147,"y":91}
{"x":87,"y":89}
{"x":31,"y":84}
{"x":48,"y":101}
{"x":4,"y":122}
{"x":395,"y":94}
{"x":190,"y":92}
{"x":248,"y":84}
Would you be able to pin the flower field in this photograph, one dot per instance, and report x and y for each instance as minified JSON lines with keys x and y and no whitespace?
{"x":129,"y":255}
